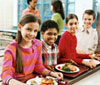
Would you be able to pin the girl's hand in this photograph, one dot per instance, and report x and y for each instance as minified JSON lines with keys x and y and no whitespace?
{"x":91,"y":63}
{"x":15,"y":82}
{"x":58,"y":75}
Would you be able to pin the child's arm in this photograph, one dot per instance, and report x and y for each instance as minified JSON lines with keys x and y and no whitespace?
{"x":83,"y":55}
{"x":90,"y":64}
{"x":7,"y":66}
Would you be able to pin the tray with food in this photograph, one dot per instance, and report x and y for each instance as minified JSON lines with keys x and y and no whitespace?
{"x":67,"y":68}
{"x":41,"y":81}
{"x":71,"y":70}
{"x":92,"y":60}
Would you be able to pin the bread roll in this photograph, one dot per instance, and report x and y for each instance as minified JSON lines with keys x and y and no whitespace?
{"x":46,"y":81}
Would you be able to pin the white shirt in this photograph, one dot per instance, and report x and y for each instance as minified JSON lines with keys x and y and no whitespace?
{"x":87,"y":41}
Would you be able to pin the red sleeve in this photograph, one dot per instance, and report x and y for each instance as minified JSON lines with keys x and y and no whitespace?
{"x":83,"y":55}
{"x":80,"y":57}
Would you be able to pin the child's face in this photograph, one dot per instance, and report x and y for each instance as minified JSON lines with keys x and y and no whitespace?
{"x":29,"y":31}
{"x":72,"y":26}
{"x":50,"y":36}
{"x":33,"y":3}
{"x":88,"y":20}
{"x":52,"y":8}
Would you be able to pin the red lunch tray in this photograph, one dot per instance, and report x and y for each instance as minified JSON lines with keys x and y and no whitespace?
{"x":82,"y":70}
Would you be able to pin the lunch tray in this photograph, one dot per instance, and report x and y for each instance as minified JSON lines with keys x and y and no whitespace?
{"x":72,"y":75}
{"x":82,"y":70}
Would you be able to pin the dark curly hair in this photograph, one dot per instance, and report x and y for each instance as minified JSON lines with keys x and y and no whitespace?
{"x":49,"y":24}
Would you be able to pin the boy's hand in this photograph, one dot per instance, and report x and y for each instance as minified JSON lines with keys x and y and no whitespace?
{"x":95,"y":57}
{"x":90,"y":64}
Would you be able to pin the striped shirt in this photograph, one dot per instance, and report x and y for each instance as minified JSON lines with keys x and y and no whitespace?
{"x":32,"y":60}
{"x":49,"y":54}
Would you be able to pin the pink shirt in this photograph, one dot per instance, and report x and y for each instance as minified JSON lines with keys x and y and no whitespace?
{"x":36,"y":12}
{"x":32,"y":60}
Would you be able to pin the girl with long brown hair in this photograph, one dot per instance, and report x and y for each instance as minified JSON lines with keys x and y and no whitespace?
{"x":23,"y":55}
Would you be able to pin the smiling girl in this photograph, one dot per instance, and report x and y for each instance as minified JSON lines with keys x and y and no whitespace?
{"x":23,"y":56}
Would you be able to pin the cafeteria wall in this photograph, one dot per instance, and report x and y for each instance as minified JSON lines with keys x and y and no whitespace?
{"x":6,"y":14}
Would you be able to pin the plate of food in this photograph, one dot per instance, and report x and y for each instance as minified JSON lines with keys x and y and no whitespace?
{"x":67,"y":68}
{"x":41,"y":81}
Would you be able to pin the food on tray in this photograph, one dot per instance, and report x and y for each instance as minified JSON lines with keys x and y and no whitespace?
{"x":33,"y":82}
{"x":47,"y":81}
{"x":68,"y":67}
{"x":96,"y":56}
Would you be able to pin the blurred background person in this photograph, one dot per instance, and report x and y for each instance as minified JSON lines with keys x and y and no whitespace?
{"x":58,"y":16}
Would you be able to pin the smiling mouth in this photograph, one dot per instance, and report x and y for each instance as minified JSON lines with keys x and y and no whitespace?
{"x":29,"y":37}
{"x":51,"y":40}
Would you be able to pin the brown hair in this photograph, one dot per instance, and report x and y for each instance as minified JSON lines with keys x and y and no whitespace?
{"x":28,"y":1}
{"x":71,"y":16}
{"x":90,"y":12}
{"x":24,"y":20}
{"x":58,"y":7}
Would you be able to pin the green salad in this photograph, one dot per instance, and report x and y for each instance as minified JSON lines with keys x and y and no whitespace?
{"x":65,"y":68}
